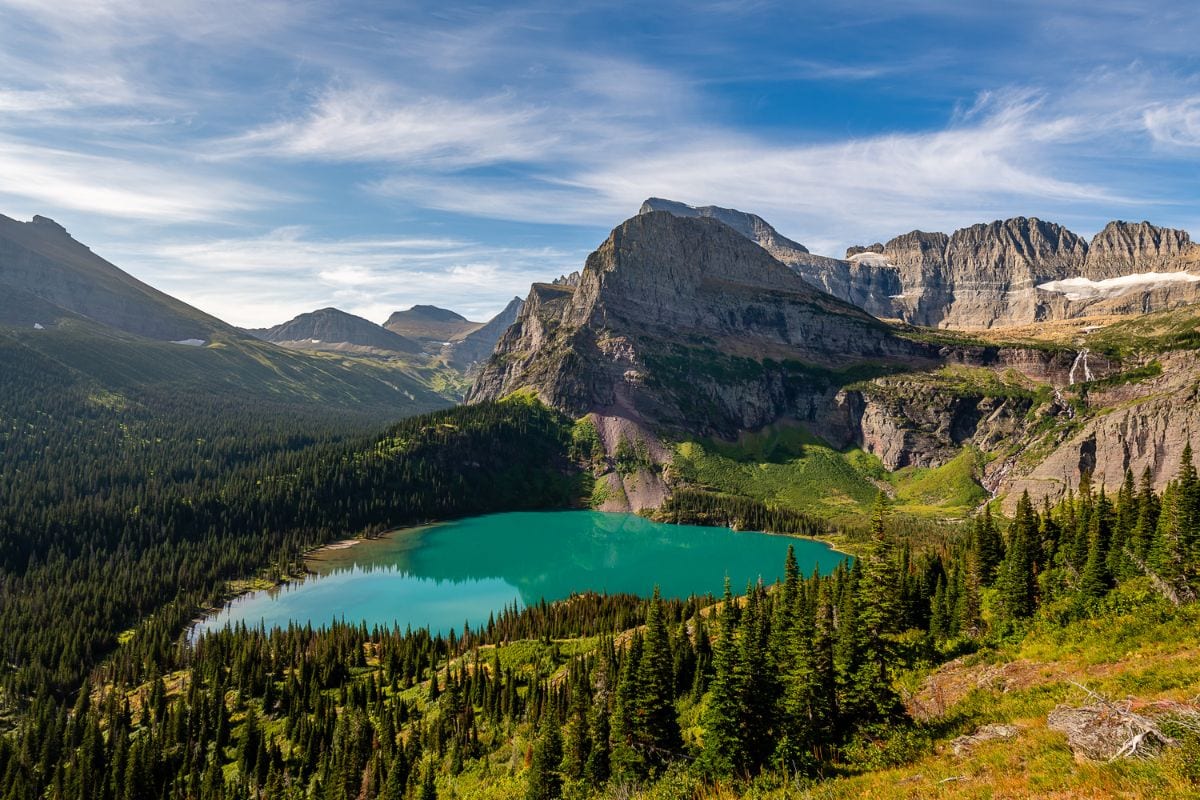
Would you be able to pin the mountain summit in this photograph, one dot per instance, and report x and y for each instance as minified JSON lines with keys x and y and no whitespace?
{"x":683,"y":321}
{"x":44,"y":273}
{"x":335,"y":328}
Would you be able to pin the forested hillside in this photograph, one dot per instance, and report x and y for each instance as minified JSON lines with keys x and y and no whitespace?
{"x":110,"y":515}
{"x":808,"y":682}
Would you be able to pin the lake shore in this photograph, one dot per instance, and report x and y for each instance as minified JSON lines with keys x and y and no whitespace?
{"x":319,"y":559}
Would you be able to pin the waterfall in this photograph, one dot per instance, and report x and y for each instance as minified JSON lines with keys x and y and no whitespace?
{"x":1080,"y":359}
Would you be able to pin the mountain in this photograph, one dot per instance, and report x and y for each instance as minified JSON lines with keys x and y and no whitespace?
{"x":665,"y":294}
{"x":469,"y":352}
{"x":1008,"y":272}
{"x":66,"y":311}
{"x":431,"y":325}
{"x":682,"y":325}
{"x":864,"y":284}
{"x":1024,"y":270}
{"x":330,"y":328}
{"x":693,"y":351}
{"x":40,"y":261}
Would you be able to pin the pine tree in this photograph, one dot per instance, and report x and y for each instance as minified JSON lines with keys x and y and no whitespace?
{"x":1017,"y":582}
{"x":428,"y":787}
{"x":544,"y":781}
{"x":1147,"y":518}
{"x":597,"y":770}
{"x":939,"y":623}
{"x":988,"y":546}
{"x":1094,"y":581}
{"x":657,"y":728}
{"x":724,"y":739}
{"x":870,"y":694}
{"x":626,"y":759}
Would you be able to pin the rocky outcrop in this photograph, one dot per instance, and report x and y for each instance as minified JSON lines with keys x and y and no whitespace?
{"x":330,"y":328}
{"x":1143,"y":425}
{"x":866,"y":284}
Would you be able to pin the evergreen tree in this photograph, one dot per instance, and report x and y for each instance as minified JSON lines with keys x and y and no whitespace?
{"x":626,"y":758}
{"x":657,"y":733}
{"x":987,"y":545}
{"x":428,"y":787}
{"x":1017,"y":582}
{"x":597,"y":769}
{"x":544,"y":781}
{"x":724,"y":739}
{"x":870,"y":695}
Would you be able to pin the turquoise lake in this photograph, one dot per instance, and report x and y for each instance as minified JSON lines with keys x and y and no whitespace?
{"x":440,"y":576}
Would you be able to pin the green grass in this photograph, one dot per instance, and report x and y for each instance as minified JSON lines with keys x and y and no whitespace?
{"x":781,"y":466}
{"x":788,"y":467}
{"x":952,"y":488}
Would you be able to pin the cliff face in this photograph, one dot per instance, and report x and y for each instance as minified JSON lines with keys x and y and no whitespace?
{"x":683,"y":322}
{"x":1125,"y":248}
{"x":1007,"y":272}
{"x":866,"y":284}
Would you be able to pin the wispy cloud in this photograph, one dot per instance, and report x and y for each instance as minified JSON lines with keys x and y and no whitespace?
{"x":368,"y":123}
{"x":261,"y":280}
{"x":1175,"y":124}
{"x":997,"y":156}
{"x":120,"y":186}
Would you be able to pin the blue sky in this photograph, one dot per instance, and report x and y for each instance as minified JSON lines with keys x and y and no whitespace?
{"x":261,"y":159}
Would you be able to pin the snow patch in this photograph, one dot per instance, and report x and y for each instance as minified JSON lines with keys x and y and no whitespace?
{"x":871,"y":259}
{"x":37,"y":326}
{"x":190,"y":342}
{"x":1086,"y":289}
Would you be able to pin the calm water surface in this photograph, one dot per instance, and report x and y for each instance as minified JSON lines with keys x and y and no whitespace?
{"x":441,"y":576}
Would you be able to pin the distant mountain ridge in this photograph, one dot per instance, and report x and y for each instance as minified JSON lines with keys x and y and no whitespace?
{"x":474,"y":348}
{"x":62,"y":304}
{"x":991,"y":274}
{"x":431,"y":324}
{"x":332,"y":327}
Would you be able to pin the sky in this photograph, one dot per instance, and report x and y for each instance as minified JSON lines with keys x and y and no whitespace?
{"x":263,"y":159}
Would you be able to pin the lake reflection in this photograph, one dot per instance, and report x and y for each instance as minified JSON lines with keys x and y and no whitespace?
{"x":441,"y":576}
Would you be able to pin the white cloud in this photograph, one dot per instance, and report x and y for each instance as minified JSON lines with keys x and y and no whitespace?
{"x":997,"y":156}
{"x":367,"y":123}
{"x":121,"y":186}
{"x":1175,"y":123}
{"x":261,"y":281}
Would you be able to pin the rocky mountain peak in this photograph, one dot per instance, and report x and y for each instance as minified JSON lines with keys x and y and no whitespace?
{"x":1125,"y":248}
{"x":45,"y":224}
{"x":1020,"y":249}
{"x":751,"y":226}
{"x":859,"y":249}
{"x":683,"y":321}
{"x":434,"y":313}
